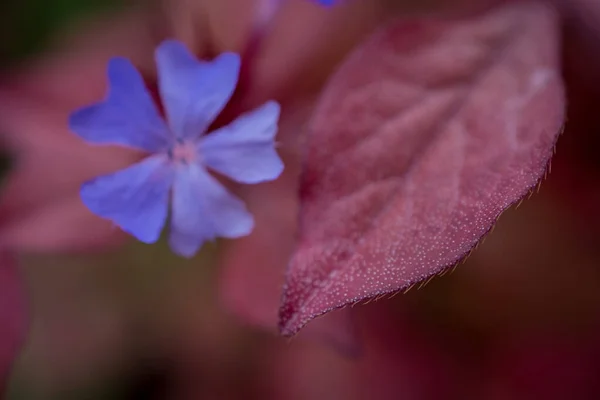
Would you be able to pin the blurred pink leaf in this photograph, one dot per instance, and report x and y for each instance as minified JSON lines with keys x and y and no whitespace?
{"x":421,"y":140}
{"x":41,"y":191}
{"x":13,"y":321}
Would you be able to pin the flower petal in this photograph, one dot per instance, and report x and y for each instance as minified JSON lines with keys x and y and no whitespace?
{"x":245,"y":149}
{"x":204,"y":210}
{"x":135,"y":198}
{"x":194,"y":92}
{"x":328,"y":3}
{"x":128,"y":115}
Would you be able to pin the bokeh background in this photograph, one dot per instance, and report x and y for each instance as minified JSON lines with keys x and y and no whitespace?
{"x":520,"y":319}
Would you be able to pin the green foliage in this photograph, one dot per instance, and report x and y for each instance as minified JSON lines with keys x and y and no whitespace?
{"x":27,"y":25}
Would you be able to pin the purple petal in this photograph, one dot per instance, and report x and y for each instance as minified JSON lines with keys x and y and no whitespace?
{"x":128,"y":115}
{"x":194,"y":92}
{"x":245,"y":149}
{"x":204,"y":210}
{"x":135,"y":198}
{"x":328,"y":3}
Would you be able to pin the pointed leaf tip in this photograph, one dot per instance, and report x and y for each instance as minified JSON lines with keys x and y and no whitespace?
{"x":420,"y":141}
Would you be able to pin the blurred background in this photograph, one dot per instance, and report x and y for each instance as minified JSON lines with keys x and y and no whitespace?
{"x":519,"y":320}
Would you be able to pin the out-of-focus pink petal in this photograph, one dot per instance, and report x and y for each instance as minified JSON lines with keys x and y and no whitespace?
{"x":13,"y":316}
{"x":303,"y":43}
{"x":425,"y":135}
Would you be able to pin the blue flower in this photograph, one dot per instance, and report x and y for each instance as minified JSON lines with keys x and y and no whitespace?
{"x":193,"y":93}
{"x":328,"y":3}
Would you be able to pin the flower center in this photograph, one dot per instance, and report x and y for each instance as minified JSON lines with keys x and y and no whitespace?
{"x":183,"y":152}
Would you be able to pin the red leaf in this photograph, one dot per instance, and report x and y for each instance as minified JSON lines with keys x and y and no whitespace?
{"x":420,"y":141}
{"x":12,"y":316}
